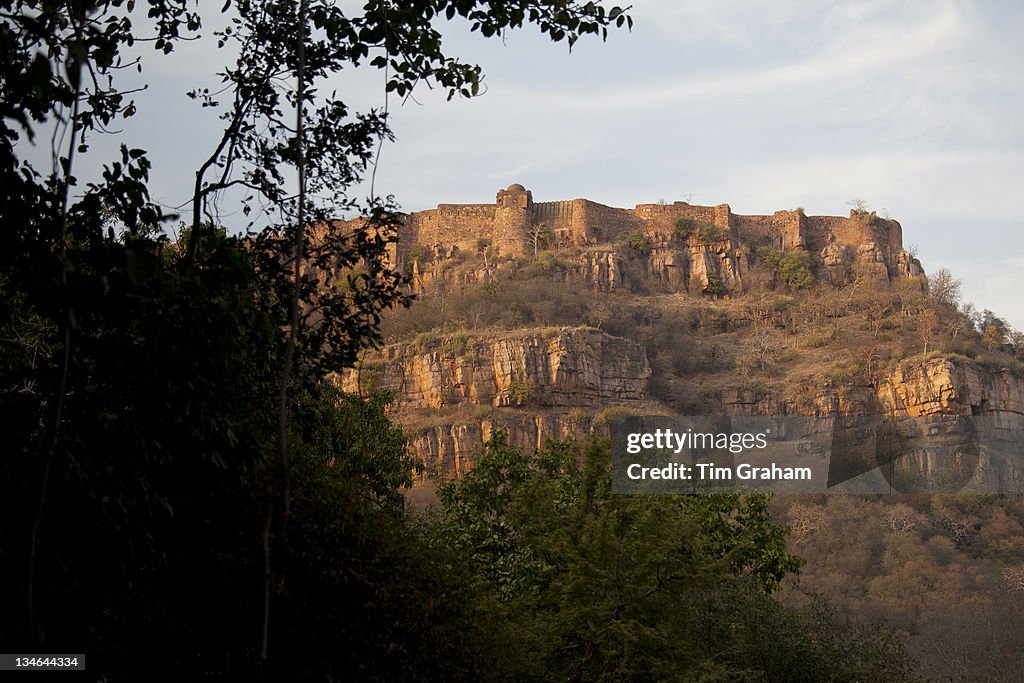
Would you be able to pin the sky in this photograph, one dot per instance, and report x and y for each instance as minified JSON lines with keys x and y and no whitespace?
{"x":914,"y":106}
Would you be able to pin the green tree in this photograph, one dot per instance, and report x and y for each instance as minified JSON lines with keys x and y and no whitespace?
{"x":602,"y":586}
{"x":715,"y":285}
{"x":796,"y":269}
{"x":683,"y":228}
{"x":638,"y":243}
{"x":709,"y":233}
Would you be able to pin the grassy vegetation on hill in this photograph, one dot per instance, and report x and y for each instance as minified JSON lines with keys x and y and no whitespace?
{"x":773,"y":335}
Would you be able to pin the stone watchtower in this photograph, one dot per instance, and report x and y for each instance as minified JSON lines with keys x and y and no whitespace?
{"x":513,"y":216}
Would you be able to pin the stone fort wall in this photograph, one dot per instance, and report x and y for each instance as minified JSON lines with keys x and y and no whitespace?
{"x":661,"y":218}
{"x":579,"y":222}
{"x":457,"y":225}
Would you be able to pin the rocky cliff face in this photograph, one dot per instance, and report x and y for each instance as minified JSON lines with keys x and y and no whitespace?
{"x":454,"y":391}
{"x":601,"y":271}
{"x":716,"y":266}
{"x":943,"y":387}
{"x":939,"y":386}
{"x":559,"y":367}
{"x":535,"y":384}
{"x":675,"y":267}
{"x":450,"y":446}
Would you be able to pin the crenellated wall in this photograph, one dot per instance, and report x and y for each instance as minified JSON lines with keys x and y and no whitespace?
{"x":555,"y":215}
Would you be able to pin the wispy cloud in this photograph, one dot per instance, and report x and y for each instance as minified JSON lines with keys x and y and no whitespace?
{"x":857,"y":52}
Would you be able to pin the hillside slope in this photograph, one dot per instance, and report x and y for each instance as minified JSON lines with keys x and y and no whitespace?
{"x":543,"y":319}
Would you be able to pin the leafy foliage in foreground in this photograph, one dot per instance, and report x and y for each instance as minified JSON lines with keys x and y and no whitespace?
{"x":150,"y":546}
{"x":138,"y":382}
{"x":607,"y":587}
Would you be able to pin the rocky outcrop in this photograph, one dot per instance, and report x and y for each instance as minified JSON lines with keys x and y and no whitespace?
{"x":907,"y":265}
{"x":871,"y":260}
{"x":838,"y":262}
{"x":558,"y":367}
{"x":944,"y":387}
{"x":835,"y":259}
{"x":453,"y":392}
{"x":550,"y":386}
{"x":940,"y":386}
{"x":426,"y":277}
{"x":697,"y":266}
{"x":820,"y":400}
{"x":670,"y":267}
{"x":449,"y":448}
{"x":600,"y":271}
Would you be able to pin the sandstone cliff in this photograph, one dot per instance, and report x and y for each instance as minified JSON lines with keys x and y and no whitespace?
{"x":946,"y":387}
{"x":559,"y":367}
{"x":696,"y":267}
{"x":453,"y":391}
{"x":448,"y":447}
{"x":939,"y":386}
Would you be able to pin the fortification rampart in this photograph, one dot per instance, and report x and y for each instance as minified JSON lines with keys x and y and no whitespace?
{"x":783,"y":229}
{"x":508,"y":223}
{"x":593,"y":222}
{"x":450,"y":225}
{"x":662,"y":218}
{"x":855,"y":230}
{"x":556,"y":217}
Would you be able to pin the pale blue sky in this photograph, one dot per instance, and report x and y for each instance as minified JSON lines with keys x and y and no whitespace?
{"x":913,"y":105}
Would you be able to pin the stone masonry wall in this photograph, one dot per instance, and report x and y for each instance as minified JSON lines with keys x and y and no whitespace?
{"x":581,"y":222}
{"x":785,"y":229}
{"x":556,"y":215}
{"x":661,"y":218}
{"x":591,"y":220}
{"x":453,"y":224}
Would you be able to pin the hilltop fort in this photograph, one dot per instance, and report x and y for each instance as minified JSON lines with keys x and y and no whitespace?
{"x":688,"y":244}
{"x":665,"y":308}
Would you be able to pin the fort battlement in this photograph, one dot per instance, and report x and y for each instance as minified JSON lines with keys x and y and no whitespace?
{"x":507,"y":223}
